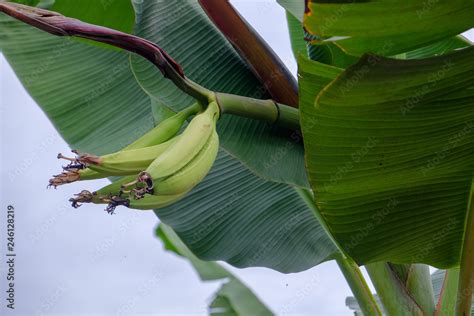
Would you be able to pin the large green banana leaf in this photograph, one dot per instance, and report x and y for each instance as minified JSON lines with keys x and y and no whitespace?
{"x":210,"y":60}
{"x":438,"y":48}
{"x":387,"y":27}
{"x":330,"y":53}
{"x":94,"y":101}
{"x":296,"y":33}
{"x":233,"y":298}
{"x":293,"y":7}
{"x":389,"y":147}
{"x":327,"y":53}
{"x":242,"y":219}
{"x":88,"y":93}
{"x":29,"y":2}
{"x":118,"y":15}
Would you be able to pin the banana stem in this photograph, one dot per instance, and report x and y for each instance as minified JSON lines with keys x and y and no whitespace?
{"x":466,"y":274}
{"x":359,"y":287}
{"x":392,"y":292}
{"x":264,"y":110}
{"x":348,"y":267}
{"x":447,"y":299}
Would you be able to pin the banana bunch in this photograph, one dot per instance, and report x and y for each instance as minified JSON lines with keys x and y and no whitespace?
{"x":158,"y":169}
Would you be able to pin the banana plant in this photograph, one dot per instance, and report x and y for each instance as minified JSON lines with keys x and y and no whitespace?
{"x":366,"y":159}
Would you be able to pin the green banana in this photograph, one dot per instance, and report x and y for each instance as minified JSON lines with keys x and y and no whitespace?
{"x":173,"y":168}
{"x":194,"y":137}
{"x":119,"y":165}
{"x":101,"y":196}
{"x":150,"y":202}
{"x":165,"y":130}
{"x":88,"y":174}
{"x":191,"y":174}
{"x":114,"y":188}
{"x":125,"y":162}
{"x":112,"y":196}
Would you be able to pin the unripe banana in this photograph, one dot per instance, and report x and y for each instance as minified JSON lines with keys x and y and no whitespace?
{"x":89,"y":174}
{"x":191,"y":174}
{"x":194,"y":137}
{"x":125,"y":162}
{"x":121,"y":163}
{"x":173,"y":168}
{"x":109,"y":195}
{"x":160,"y":134}
{"x":165,"y":130}
{"x":115,"y":187}
{"x":150,"y":202}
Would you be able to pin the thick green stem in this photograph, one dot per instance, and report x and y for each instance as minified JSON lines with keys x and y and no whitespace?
{"x":466,"y":275}
{"x":416,"y":279}
{"x":447,"y":299}
{"x":348,"y":267}
{"x":391,"y":290}
{"x":419,"y":286}
{"x":264,"y":110}
{"x":359,"y":287}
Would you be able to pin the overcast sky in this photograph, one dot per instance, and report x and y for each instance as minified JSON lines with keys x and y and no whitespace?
{"x":83,"y":261}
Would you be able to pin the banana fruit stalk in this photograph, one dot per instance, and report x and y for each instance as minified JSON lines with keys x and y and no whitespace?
{"x":89,"y":167}
{"x":157,"y":175}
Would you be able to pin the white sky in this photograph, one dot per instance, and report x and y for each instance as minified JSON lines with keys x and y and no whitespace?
{"x":83,"y":261}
